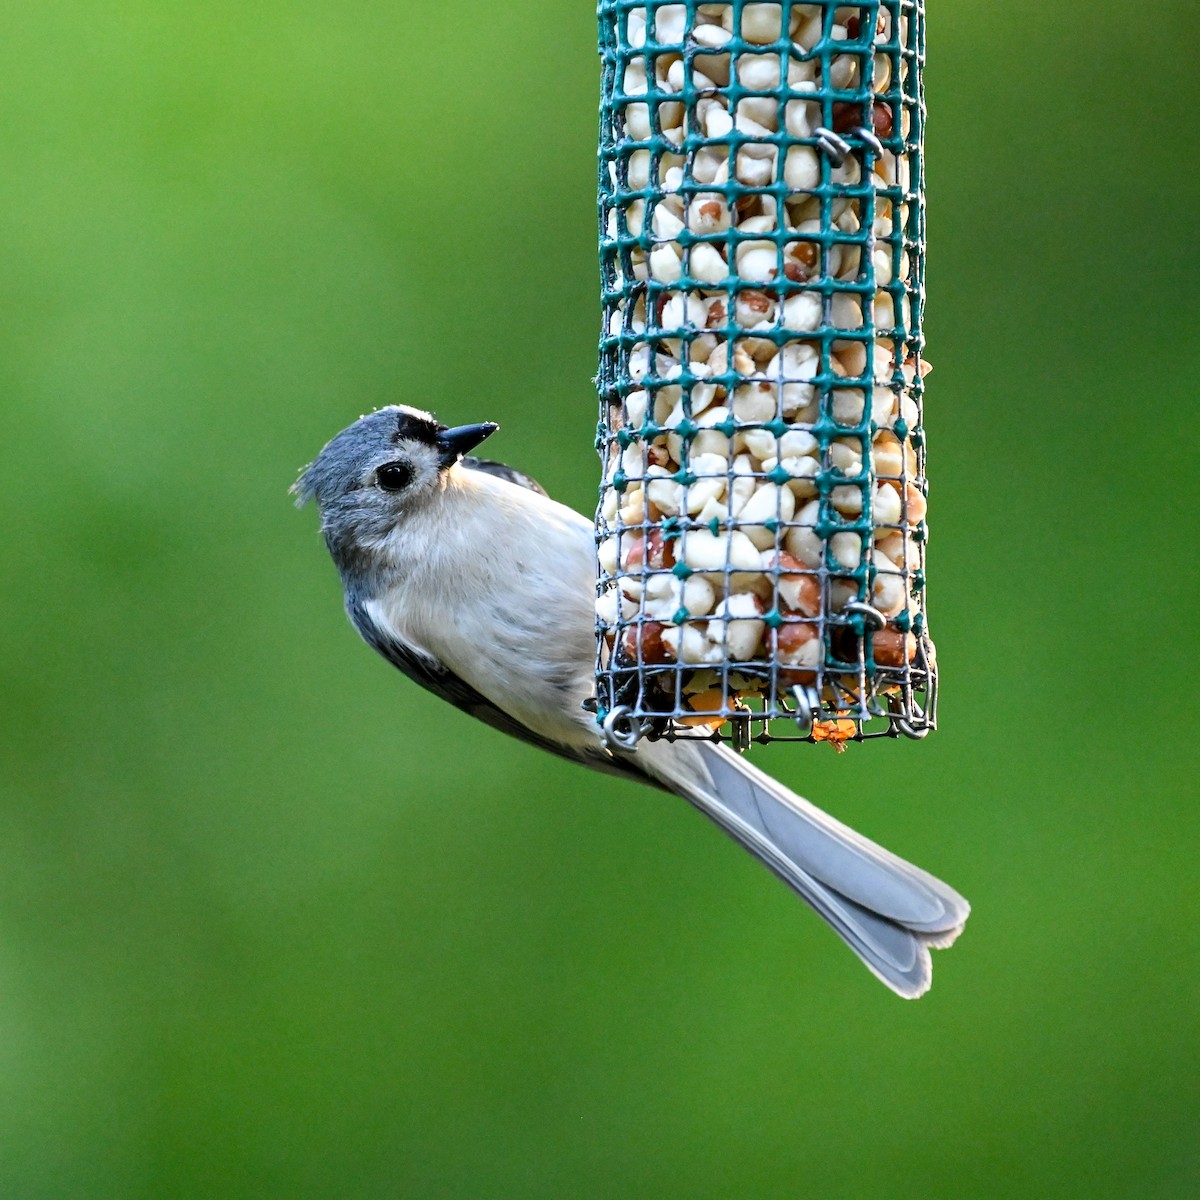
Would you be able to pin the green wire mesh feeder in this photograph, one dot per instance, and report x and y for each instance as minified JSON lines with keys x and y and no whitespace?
{"x":761,"y":529}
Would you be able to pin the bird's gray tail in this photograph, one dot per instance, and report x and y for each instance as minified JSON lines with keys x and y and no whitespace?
{"x":889,"y":912}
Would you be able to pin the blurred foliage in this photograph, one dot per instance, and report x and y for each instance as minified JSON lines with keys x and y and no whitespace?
{"x":271,"y":925}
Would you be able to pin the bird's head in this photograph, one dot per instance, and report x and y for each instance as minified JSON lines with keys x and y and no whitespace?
{"x":380,"y":470}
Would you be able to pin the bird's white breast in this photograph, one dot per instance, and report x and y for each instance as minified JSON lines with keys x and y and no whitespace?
{"x":498,"y":583}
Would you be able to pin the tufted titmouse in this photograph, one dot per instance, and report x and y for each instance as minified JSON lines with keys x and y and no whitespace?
{"x":453,"y":566}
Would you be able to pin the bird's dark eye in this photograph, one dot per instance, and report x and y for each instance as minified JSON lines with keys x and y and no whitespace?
{"x":394,"y":476}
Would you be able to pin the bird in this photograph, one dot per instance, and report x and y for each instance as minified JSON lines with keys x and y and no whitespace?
{"x":450,"y":566}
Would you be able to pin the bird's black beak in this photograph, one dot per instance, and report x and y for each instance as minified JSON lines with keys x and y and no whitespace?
{"x":462,"y":439}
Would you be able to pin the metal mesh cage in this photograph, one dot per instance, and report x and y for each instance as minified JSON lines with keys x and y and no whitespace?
{"x":761,"y":529}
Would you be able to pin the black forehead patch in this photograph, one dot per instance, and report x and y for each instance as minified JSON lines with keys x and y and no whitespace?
{"x":417,"y":428}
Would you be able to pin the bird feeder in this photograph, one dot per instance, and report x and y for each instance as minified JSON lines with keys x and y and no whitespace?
{"x":761,"y":529}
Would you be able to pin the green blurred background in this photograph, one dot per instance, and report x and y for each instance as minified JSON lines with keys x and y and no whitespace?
{"x":273,"y":925}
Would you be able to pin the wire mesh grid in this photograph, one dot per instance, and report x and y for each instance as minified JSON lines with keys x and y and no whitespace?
{"x":761,"y":529}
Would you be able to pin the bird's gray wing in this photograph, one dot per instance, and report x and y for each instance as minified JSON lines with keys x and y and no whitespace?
{"x":422,"y":668}
{"x":502,"y":471}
